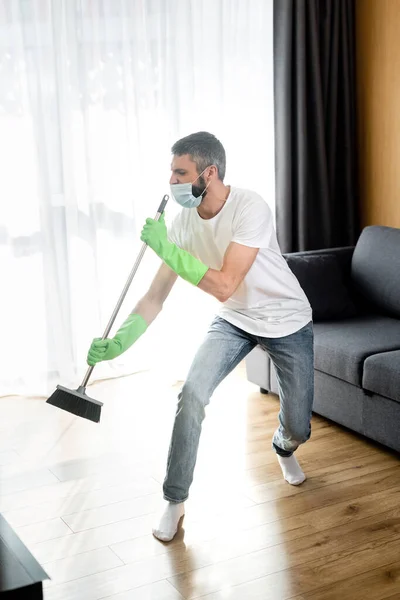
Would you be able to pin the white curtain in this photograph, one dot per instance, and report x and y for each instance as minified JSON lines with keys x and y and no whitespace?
{"x":92,"y":95}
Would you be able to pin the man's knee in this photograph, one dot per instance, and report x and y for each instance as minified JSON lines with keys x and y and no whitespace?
{"x":193,"y":397}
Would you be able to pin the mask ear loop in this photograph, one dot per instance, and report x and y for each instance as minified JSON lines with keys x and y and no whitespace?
{"x":199,"y":178}
{"x":206,"y":188}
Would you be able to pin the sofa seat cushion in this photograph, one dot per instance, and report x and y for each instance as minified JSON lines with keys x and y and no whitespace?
{"x":341,"y":347}
{"x":382,"y":374}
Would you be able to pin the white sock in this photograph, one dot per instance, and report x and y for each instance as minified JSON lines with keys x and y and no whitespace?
{"x":291,"y":469}
{"x":167,"y":525}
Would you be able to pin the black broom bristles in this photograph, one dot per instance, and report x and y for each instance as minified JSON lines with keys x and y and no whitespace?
{"x":76,"y":402}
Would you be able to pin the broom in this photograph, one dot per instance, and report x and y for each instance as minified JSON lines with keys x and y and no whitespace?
{"x":76,"y":401}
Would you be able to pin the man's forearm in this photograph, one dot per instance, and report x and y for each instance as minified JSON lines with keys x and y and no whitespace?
{"x":223,"y":284}
{"x":148,"y":309}
{"x":218,"y":284}
{"x":150,"y":306}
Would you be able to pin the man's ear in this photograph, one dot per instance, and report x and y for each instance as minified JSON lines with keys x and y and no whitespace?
{"x":213,"y":172}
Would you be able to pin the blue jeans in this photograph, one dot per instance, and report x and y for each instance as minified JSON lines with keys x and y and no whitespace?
{"x":223,"y":349}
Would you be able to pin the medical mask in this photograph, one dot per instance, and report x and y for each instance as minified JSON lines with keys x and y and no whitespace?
{"x":183,"y":193}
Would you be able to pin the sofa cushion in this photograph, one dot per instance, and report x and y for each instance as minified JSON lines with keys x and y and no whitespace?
{"x":341,"y":347}
{"x":321,"y":278}
{"x":375,"y":268}
{"x":382,"y":374}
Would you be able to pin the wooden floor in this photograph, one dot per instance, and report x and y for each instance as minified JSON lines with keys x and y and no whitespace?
{"x":83,"y":496}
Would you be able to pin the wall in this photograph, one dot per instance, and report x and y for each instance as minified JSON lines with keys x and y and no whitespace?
{"x":378,"y":90}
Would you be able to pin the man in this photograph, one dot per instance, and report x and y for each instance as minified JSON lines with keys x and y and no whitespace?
{"x":223,"y":241}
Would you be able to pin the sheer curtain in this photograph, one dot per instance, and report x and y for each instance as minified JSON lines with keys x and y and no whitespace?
{"x":92,"y":95}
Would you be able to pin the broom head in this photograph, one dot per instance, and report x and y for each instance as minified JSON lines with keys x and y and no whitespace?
{"x":76,"y":402}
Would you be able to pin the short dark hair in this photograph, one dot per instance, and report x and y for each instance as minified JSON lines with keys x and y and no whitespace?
{"x":204,"y":149}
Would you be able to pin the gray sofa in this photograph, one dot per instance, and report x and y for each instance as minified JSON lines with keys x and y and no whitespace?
{"x":355,"y":296}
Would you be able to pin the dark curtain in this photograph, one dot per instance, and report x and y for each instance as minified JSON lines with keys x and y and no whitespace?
{"x":315,"y":124}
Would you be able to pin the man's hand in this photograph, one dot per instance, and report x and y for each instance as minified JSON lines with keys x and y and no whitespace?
{"x":103,"y":350}
{"x":181,"y":262}
{"x":154,"y":233}
{"x":130,"y":331}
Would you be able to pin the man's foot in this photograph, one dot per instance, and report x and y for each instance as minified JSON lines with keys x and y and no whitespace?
{"x":167,"y":525}
{"x":291,"y":469}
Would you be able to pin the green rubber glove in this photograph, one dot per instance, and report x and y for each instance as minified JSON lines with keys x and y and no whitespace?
{"x":130,"y":331}
{"x":184,"y":264}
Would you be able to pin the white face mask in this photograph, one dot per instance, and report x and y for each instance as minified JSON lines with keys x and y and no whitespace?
{"x":183,"y":193}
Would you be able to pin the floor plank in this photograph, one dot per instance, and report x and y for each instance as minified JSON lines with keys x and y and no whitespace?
{"x":378,"y":584}
{"x":81,"y":565}
{"x":112,"y":513}
{"x":121,"y":579}
{"x":75,"y":487}
{"x":43,"y":531}
{"x":162,"y":590}
{"x":92,"y":539}
{"x":80,"y":502}
{"x":319,"y":478}
{"x":26,"y":481}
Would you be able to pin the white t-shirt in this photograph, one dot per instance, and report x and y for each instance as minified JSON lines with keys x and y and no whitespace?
{"x":269,"y":302}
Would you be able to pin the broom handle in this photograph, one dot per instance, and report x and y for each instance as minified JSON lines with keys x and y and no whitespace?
{"x":126,"y":288}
